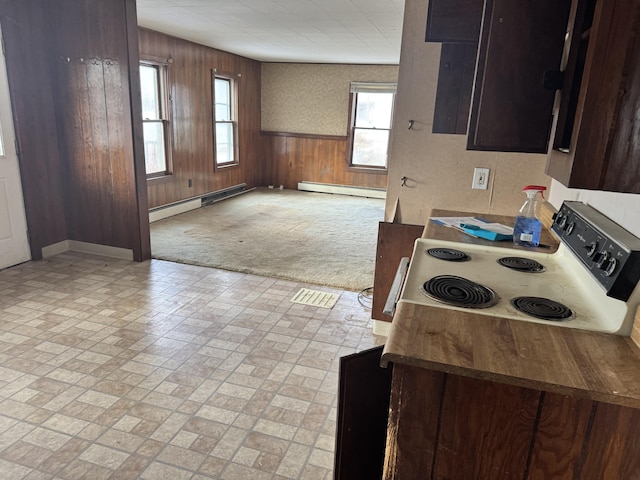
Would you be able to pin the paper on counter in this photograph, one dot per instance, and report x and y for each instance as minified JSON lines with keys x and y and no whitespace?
{"x":455,"y":222}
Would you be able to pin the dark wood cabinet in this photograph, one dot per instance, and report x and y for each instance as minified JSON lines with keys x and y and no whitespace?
{"x":455,"y":24}
{"x":511,"y":107}
{"x":363,"y":406}
{"x":527,"y":51}
{"x":595,"y":141}
{"x":446,"y":426}
{"x":495,"y":90}
{"x":455,"y":85}
{"x":454,"y":21}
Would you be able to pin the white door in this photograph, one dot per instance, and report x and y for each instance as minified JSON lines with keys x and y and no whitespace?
{"x":14,"y":244}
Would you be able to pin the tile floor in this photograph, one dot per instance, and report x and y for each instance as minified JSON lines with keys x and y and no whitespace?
{"x":112,"y":369}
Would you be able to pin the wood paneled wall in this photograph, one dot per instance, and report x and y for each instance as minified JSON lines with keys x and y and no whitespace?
{"x":72,"y":85}
{"x":26,"y":32}
{"x":192,"y":121}
{"x":97,"y":135}
{"x":293,"y":158}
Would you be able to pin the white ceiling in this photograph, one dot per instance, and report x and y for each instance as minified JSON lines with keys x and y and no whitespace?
{"x":306,"y":31}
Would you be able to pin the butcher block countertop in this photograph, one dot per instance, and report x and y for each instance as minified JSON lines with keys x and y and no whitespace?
{"x":567,"y":361}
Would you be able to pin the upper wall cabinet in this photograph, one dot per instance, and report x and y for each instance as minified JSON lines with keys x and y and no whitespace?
{"x":521,"y":42}
{"x":454,"y":21}
{"x":596,"y":139}
{"x":499,"y":93}
{"x":455,"y":24}
{"x":528,"y":50}
{"x":455,"y":84}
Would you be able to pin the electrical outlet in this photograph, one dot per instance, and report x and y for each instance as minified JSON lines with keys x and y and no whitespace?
{"x":480,"y":178}
{"x":190,"y":183}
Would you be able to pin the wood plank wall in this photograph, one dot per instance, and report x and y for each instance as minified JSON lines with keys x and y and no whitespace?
{"x":95,"y":113}
{"x":292,"y":158}
{"x":69,"y":70}
{"x":192,"y":122}
{"x":26,"y":31}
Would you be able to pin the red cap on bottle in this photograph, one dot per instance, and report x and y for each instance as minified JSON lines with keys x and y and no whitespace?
{"x":538,"y":188}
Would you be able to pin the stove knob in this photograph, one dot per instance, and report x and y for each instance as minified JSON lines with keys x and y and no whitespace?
{"x":562,"y":222}
{"x":591,"y":249}
{"x":570,"y":227}
{"x":603,"y":258}
{"x":613,"y":263}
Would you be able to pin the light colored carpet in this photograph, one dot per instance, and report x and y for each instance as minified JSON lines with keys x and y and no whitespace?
{"x":308,"y":237}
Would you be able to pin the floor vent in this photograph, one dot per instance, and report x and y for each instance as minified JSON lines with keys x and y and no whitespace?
{"x":222,"y":194}
{"x":315,"y":298}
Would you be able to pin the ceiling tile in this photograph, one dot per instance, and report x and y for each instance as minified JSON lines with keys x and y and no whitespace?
{"x":319,"y":31}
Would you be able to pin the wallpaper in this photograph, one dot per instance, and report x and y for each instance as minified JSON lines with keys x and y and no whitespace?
{"x":313,"y":98}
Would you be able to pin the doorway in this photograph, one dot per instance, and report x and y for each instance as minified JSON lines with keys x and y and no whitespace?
{"x":14,"y":242}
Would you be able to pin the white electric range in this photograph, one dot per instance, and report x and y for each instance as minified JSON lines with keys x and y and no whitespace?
{"x":590,"y":282}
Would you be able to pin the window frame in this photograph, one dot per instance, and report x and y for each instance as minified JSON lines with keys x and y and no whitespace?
{"x":368,"y":87}
{"x":233,"y":98}
{"x":165,"y":105}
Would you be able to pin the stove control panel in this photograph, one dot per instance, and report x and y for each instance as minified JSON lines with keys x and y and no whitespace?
{"x":610,"y":253}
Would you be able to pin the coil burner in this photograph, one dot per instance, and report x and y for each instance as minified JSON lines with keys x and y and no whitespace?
{"x":459,"y":292}
{"x":448,"y":254}
{"x":542,"y":308}
{"x":521,"y":264}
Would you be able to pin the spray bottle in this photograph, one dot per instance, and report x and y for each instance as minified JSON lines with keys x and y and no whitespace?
{"x":526,"y":230}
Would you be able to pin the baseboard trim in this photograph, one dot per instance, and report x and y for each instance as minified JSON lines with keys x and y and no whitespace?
{"x":86,"y":247}
{"x":381,"y":328}
{"x":343,"y":189}
{"x":166,"y":211}
{"x":55,"y":249}
{"x":176,"y":209}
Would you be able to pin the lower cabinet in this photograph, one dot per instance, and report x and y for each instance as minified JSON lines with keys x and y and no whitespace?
{"x":446,"y":426}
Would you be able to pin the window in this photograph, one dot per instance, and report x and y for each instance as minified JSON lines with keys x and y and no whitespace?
{"x":155,"y":118}
{"x":371,"y":116}
{"x":224,"y":116}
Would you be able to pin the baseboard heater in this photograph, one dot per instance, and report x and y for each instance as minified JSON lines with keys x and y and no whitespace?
{"x":343,"y":189}
{"x":222,"y":194}
{"x":194,"y":203}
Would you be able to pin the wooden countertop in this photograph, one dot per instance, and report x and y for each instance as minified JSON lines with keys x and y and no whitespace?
{"x":439,"y":232}
{"x":567,"y":361}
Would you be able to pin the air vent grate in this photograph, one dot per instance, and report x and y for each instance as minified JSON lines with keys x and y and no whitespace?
{"x":315,"y":298}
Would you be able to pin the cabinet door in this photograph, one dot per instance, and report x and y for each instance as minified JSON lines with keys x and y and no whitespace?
{"x":613,"y":444}
{"x":363,"y":409}
{"x":485,"y":430}
{"x":455,"y":84}
{"x":454,"y":21}
{"x":519,"y":42}
{"x":598,"y":146}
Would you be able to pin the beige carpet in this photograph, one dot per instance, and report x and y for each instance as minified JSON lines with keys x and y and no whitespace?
{"x":309,"y":237}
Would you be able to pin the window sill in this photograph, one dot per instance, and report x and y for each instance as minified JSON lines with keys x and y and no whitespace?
{"x":374,"y":170}
{"x":226,"y":165}
{"x":160,"y":178}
